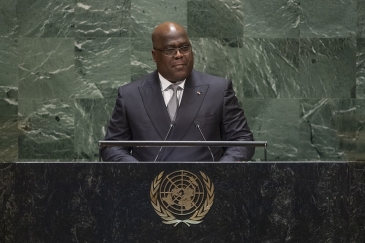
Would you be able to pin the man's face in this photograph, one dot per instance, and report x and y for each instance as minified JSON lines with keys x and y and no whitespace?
{"x":177,"y":67}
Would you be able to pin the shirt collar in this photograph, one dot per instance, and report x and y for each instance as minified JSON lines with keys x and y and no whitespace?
{"x":165,"y":83}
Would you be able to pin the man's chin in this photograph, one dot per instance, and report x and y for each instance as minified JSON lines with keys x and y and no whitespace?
{"x":179,"y":75}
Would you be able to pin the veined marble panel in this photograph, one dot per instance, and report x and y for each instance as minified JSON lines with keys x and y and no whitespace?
{"x":8,"y":19}
{"x":220,"y":57}
{"x":9,"y":139}
{"x":356,"y":199}
{"x":271,"y":19}
{"x":271,"y":68}
{"x":360,"y":19}
{"x":102,"y":18}
{"x":215,"y":18}
{"x":8,"y":107}
{"x":91,"y":121}
{"x":328,"y":68}
{"x":328,"y":18}
{"x":46,"y":18}
{"x":141,"y":58}
{"x":326,"y":73}
{"x":8,"y":68}
{"x":8,"y":206}
{"x":146,"y":15}
{"x":314,"y":197}
{"x":359,"y":153}
{"x":46,"y":129}
{"x":274,"y":121}
{"x":254,"y":202}
{"x":102,"y":65}
{"x":332,"y":129}
{"x":8,"y":130}
{"x":360,"y":68}
{"x":47,"y":68}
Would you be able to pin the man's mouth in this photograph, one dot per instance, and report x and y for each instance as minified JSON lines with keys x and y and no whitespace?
{"x":180,"y":65}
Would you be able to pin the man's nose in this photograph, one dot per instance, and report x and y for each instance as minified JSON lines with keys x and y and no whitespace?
{"x":178,"y":54}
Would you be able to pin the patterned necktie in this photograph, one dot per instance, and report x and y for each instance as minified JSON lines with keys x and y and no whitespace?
{"x":174,"y":102}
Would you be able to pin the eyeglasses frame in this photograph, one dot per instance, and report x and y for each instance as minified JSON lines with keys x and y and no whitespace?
{"x":177,"y":49}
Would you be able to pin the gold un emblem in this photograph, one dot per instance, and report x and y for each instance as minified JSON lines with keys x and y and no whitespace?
{"x":181,"y":197}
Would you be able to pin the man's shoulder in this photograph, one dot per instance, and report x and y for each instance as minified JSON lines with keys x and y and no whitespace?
{"x":145,"y":80}
{"x":150,"y":78}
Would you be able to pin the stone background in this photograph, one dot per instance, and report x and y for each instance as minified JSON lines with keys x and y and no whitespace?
{"x":298,"y":68}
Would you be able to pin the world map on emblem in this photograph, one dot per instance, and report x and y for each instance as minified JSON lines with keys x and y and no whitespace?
{"x":182,"y":192}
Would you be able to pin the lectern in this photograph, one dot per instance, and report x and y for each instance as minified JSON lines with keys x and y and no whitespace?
{"x":249,"y":202}
{"x":184,"y":144}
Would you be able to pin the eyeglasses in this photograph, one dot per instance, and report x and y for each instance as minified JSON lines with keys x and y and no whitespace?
{"x":172,"y":51}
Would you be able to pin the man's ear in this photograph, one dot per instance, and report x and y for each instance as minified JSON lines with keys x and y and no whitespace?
{"x":153,"y":55}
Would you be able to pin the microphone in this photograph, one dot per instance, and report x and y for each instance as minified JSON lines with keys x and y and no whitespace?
{"x":197,"y":126}
{"x":172,"y":124}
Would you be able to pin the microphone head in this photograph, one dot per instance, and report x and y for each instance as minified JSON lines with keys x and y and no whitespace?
{"x":172,"y":123}
{"x":196,"y":124}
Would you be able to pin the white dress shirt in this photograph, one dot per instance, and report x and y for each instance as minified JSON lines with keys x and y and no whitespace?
{"x":167,"y":92}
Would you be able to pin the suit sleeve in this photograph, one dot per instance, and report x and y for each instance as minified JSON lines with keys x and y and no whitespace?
{"x":118,"y":129}
{"x":234,"y":127}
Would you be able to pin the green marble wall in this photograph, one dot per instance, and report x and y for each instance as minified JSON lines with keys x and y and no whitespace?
{"x":298,"y":68}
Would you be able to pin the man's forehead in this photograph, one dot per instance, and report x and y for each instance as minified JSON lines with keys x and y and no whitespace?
{"x":168,"y":31}
{"x":172,"y":28}
{"x":168,"y":27}
{"x":173,"y":40}
{"x":172,"y":34}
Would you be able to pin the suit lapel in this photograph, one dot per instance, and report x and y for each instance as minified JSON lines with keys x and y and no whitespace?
{"x":194,"y":93}
{"x":154,"y":104}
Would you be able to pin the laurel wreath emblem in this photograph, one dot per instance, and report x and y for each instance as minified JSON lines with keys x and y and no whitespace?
{"x":168,"y":217}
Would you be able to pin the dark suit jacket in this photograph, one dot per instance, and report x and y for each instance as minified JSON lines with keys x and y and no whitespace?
{"x":140,"y":113}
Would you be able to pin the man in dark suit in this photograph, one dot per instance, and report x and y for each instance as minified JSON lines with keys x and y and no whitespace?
{"x":177,"y":103}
